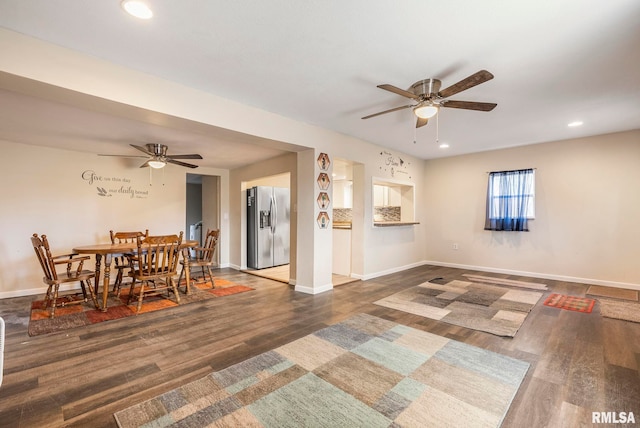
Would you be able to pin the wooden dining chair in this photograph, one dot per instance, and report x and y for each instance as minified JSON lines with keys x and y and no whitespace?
{"x":53,"y":278}
{"x":203,"y":257}
{"x":122,"y":262}
{"x":154,"y":265}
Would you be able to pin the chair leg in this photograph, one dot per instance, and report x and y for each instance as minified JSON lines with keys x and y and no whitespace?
{"x":175,"y":289}
{"x":140,"y":297}
{"x":133,"y":283}
{"x":213,"y":284}
{"x":48,"y":296}
{"x":52,"y":312}
{"x":180,"y":278}
{"x":85,"y":299}
{"x":118,"y":283}
{"x":93,"y":294}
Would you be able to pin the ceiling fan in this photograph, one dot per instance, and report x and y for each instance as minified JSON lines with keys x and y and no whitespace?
{"x":158,"y":156}
{"x":429,"y":98}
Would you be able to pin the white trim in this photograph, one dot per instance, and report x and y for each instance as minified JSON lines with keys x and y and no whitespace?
{"x":389,"y":271}
{"x":40,"y":290}
{"x":554,"y":277}
{"x":314,"y":290}
{"x":1,"y":348}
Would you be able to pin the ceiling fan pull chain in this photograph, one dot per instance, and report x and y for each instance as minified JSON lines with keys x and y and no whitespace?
{"x":437,"y":129}
{"x":150,"y":180}
{"x":415,"y":131}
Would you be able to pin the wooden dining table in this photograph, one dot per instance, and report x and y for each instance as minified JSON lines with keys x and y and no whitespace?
{"x":108,"y":251}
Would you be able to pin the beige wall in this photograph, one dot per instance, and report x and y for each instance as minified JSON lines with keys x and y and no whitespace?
{"x":44,"y":192}
{"x":587,"y":211}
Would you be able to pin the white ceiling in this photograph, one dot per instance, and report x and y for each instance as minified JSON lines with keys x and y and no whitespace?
{"x":319,"y":62}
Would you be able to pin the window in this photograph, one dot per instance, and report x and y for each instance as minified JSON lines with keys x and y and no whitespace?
{"x":510,"y":200}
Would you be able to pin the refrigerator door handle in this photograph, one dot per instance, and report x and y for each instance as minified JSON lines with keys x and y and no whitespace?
{"x":273,"y":214}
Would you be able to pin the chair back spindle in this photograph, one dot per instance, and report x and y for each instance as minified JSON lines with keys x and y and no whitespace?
{"x":41,"y":247}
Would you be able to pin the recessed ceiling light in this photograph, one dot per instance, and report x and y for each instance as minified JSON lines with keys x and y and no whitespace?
{"x":444,"y":145}
{"x":575,"y":123}
{"x":137,"y":8}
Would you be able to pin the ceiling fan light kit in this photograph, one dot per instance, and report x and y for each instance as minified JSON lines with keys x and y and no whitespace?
{"x":429,"y":98}
{"x":158,"y":157}
{"x":157,"y":163}
{"x":426,"y":110}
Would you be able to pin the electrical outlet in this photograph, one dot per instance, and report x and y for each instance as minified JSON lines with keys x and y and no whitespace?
{"x":455,"y":246}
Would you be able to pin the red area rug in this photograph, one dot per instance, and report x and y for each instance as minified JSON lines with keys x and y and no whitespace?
{"x":570,"y":303}
{"x":79,"y":315}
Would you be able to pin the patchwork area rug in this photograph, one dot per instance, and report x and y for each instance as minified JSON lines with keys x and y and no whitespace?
{"x":363,"y":372}
{"x":570,"y":303}
{"x":614,"y":292}
{"x":621,"y":310}
{"x":79,"y":315}
{"x":490,"y":308}
{"x":503,"y":281}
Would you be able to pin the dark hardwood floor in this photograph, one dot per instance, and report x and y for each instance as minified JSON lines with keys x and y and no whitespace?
{"x":579,"y":362}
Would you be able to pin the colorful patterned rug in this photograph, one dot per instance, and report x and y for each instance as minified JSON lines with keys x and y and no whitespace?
{"x":490,"y":308}
{"x":79,"y":315}
{"x":570,"y":303}
{"x":363,"y":372}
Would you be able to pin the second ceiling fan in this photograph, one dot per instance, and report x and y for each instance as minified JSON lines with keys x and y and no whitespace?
{"x":429,"y":98}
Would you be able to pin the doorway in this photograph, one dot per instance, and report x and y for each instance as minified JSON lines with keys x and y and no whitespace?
{"x":203,"y":207}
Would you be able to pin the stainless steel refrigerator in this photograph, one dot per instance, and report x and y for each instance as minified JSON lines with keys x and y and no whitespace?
{"x":268,"y":217}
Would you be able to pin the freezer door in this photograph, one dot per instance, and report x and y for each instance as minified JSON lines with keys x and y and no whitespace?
{"x":281,"y":216}
{"x":259,"y":236}
{"x":252,"y":228}
{"x":264,"y":203}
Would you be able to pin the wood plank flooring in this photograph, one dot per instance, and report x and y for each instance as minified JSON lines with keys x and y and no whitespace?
{"x":580,"y":363}
{"x":281,"y":273}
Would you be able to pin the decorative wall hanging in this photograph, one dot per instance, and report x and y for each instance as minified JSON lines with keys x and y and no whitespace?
{"x":393,"y":165}
{"x":323,"y":200}
{"x":323,"y":220}
{"x":323,"y":181}
{"x":108,"y":186}
{"x":324,"y":162}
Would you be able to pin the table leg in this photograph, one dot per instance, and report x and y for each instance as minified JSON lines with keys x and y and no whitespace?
{"x":97,"y":281}
{"x":106,"y":282}
{"x":187,"y":269}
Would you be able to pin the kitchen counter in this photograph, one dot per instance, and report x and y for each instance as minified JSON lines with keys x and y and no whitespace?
{"x":394,"y":223}
{"x":342,"y":225}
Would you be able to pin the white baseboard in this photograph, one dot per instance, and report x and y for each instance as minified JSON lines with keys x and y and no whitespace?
{"x":39,"y":290}
{"x":542,"y":275}
{"x":314,"y":290}
{"x":388,"y":271}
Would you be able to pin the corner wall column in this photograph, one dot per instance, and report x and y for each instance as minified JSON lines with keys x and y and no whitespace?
{"x":315,"y":237}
